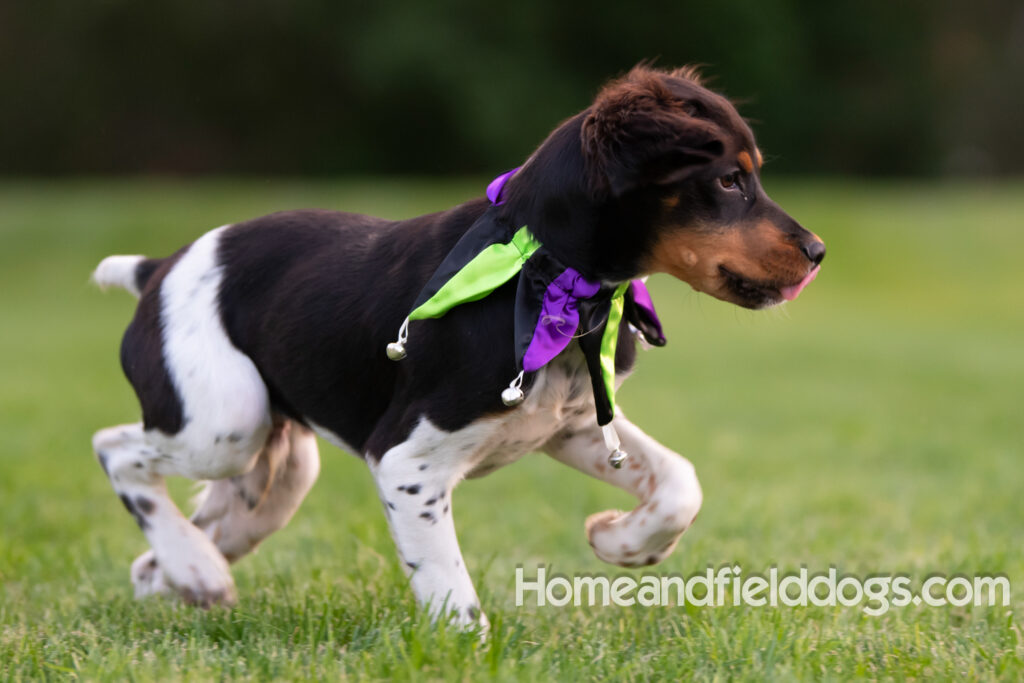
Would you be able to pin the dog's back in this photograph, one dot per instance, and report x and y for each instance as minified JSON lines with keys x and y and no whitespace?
{"x":311,"y":298}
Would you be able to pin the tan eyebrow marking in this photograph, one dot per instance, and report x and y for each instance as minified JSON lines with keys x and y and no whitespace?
{"x":744,"y":159}
{"x":760,"y":159}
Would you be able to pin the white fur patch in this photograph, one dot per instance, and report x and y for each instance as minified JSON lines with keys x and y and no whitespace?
{"x":560,"y":391}
{"x":224,"y":400}
{"x":118,"y":271}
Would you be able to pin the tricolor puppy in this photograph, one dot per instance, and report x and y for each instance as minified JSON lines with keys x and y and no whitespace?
{"x":445,"y":346}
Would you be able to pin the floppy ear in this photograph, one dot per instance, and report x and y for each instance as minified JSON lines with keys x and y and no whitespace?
{"x":638,"y":133}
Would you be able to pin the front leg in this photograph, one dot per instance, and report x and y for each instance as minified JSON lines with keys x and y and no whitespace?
{"x":664,"y":482}
{"x":415,"y":480}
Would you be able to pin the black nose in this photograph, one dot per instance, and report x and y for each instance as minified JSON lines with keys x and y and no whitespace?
{"x":815,"y":251}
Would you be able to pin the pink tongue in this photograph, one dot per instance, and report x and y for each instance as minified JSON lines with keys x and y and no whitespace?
{"x":790,"y":293}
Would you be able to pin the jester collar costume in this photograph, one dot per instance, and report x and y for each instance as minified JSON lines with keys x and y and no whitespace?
{"x":554,"y":304}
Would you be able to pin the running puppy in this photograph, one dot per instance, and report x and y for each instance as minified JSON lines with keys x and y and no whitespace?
{"x":379,"y":336}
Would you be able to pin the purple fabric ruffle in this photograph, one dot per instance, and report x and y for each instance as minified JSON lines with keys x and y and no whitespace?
{"x":497,"y":185}
{"x":559,"y":318}
{"x":642,"y":299}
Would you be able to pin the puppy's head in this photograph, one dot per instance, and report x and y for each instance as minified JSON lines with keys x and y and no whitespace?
{"x":675,"y":174}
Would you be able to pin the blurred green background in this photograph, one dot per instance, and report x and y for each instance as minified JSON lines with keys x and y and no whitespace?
{"x":919,"y":87}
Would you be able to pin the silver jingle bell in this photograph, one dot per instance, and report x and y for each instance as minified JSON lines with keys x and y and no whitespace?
{"x":512,"y":396}
{"x":396,"y":350}
{"x":617,"y":457}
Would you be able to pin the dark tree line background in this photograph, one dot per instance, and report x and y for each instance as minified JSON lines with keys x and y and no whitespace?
{"x":902,"y":87}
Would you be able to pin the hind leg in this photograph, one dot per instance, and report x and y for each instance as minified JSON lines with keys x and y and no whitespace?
{"x":206,"y":412}
{"x":239,"y":512}
{"x":191,"y":564}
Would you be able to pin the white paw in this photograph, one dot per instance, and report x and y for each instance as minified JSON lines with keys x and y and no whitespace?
{"x":197,"y":571}
{"x":620,"y":538}
{"x":203,"y":588}
{"x":148,"y":577}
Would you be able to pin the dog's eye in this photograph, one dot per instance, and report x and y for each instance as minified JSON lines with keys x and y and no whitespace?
{"x":729,"y":181}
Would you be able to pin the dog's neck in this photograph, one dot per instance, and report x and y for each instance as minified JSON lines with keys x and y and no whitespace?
{"x":581,"y":225}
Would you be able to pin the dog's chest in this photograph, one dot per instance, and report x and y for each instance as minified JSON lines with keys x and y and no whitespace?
{"x":560,"y":395}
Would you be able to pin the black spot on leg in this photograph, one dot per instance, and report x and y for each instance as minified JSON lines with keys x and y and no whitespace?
{"x":218,"y":439}
{"x":445,"y":511}
{"x":130,"y":507}
{"x":431,"y":501}
{"x":424,"y":466}
{"x":429,"y":516}
{"x":411,"y":490}
{"x":391,"y":505}
{"x":235,"y":437}
{"x":250,"y":501}
{"x":413,"y":565}
{"x":138,"y":465}
{"x":145,"y":505}
{"x":473,"y":612}
{"x":102,"y":457}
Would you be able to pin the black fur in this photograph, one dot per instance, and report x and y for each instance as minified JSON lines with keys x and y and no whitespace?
{"x":142,"y":355}
{"x":144,"y":271}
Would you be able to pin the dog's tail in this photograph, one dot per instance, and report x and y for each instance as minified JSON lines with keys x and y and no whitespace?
{"x":127,"y":272}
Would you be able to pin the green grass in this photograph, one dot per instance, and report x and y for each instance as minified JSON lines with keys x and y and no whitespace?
{"x":876,"y":425}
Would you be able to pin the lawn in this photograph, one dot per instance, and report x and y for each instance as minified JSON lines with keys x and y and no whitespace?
{"x":874,"y":425}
